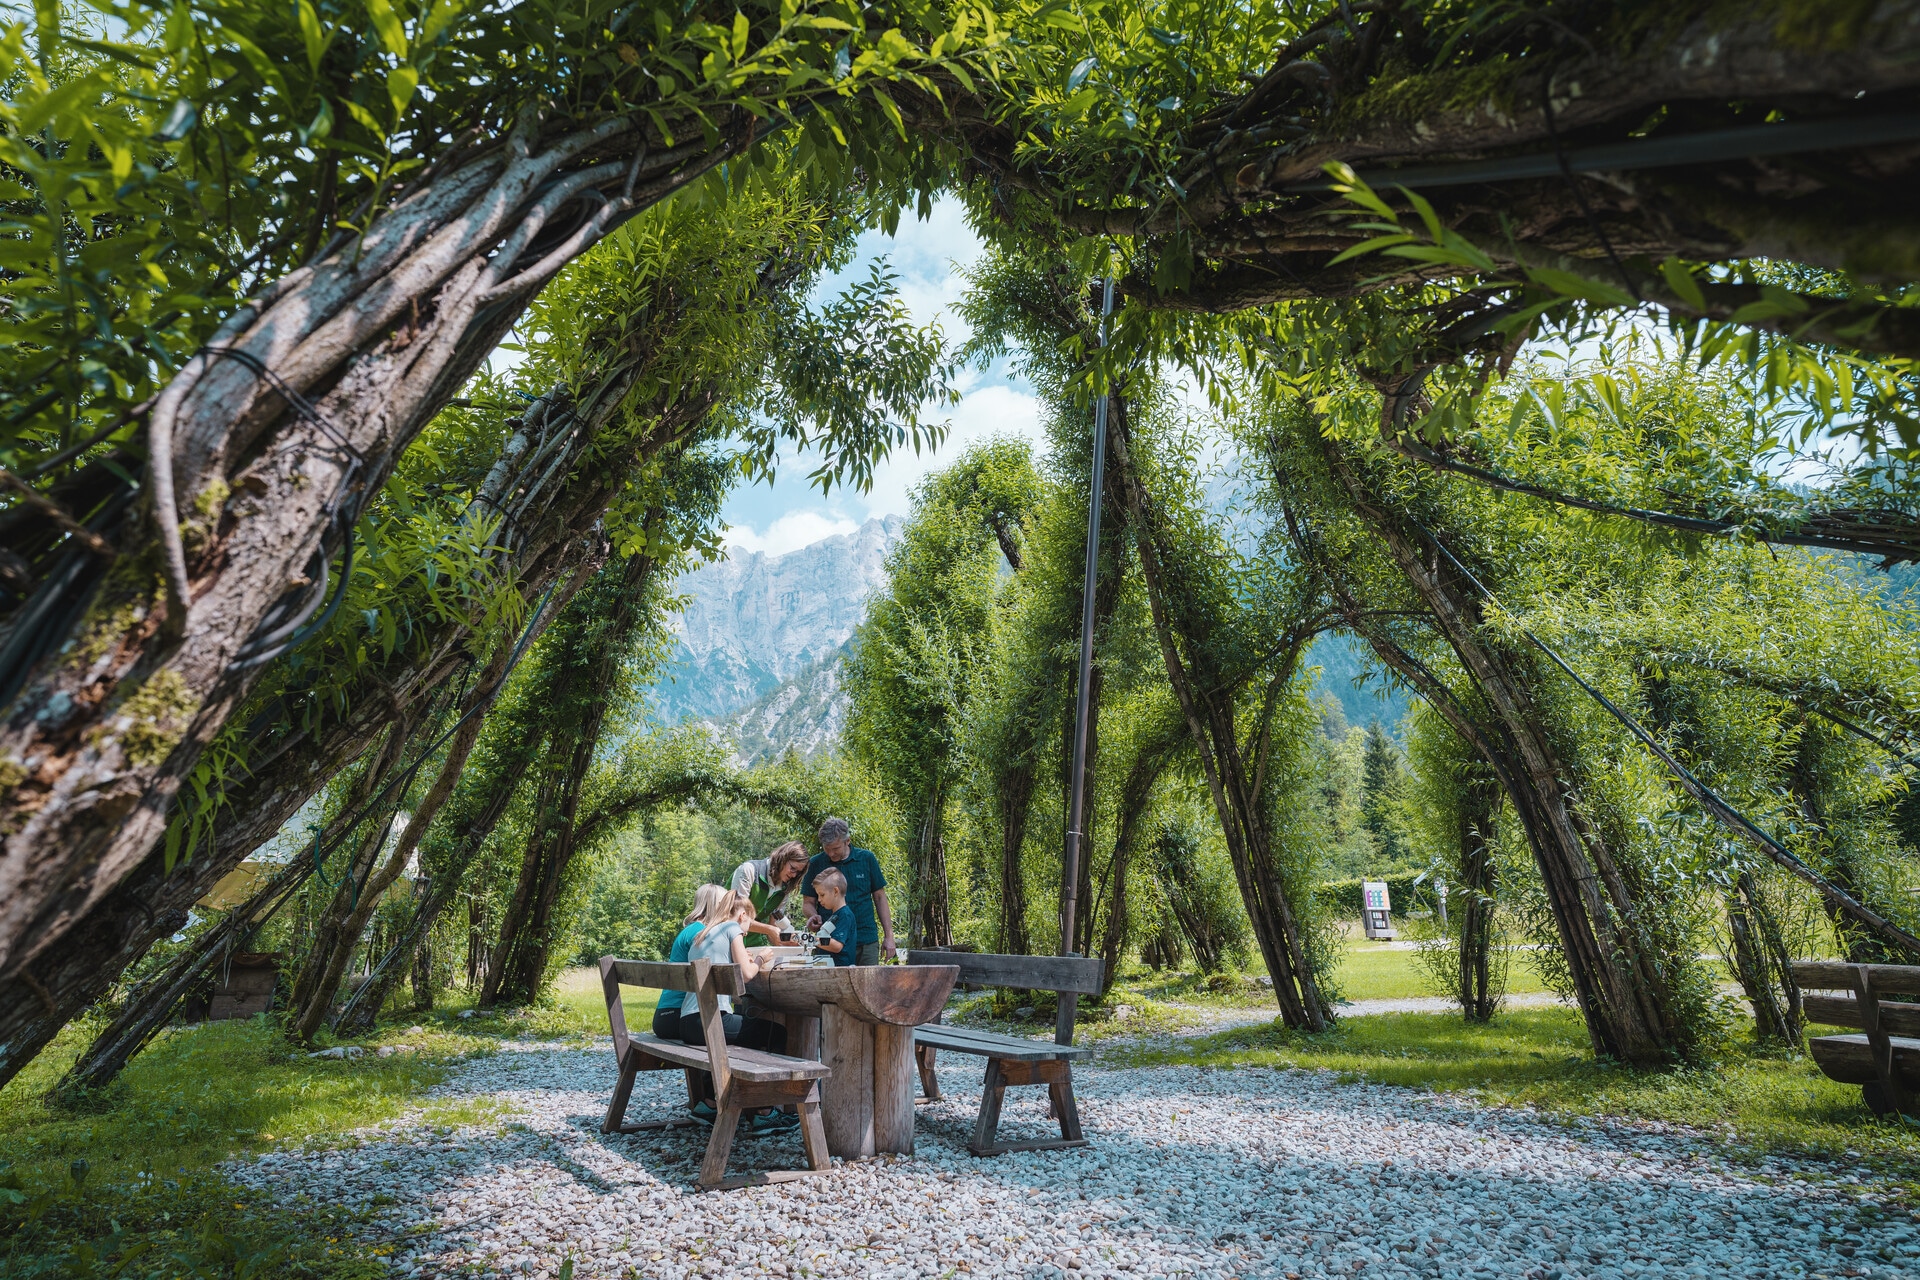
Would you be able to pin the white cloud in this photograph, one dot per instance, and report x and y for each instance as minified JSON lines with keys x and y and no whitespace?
{"x":997,"y":409}
{"x":790,"y":532}
{"x":927,"y":259}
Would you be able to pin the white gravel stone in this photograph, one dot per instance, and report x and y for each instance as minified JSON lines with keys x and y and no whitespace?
{"x":1192,"y":1172}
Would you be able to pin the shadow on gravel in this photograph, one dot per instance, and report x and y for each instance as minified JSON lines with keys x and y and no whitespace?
{"x":1214,"y":1173}
{"x":1277,"y":1171}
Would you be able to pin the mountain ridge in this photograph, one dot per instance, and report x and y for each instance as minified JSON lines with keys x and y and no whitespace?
{"x":754,"y":621}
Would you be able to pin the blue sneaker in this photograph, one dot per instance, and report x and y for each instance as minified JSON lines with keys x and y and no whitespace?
{"x":772,"y":1122}
{"x":703,"y":1112}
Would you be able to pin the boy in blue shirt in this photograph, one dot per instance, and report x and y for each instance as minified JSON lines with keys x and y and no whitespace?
{"x":866,"y":890}
{"x":839,"y":932}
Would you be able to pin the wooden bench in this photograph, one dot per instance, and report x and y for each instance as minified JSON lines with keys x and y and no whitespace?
{"x":1884,"y":1060}
{"x":742,"y":1078}
{"x":1012,"y":1060}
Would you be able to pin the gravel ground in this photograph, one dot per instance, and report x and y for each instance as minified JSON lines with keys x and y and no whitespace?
{"x":1243,"y":1173}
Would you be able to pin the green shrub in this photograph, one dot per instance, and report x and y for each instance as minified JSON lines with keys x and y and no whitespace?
{"x":1345,"y":898}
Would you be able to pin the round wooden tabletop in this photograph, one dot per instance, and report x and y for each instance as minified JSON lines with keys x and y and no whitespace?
{"x":897,"y":994}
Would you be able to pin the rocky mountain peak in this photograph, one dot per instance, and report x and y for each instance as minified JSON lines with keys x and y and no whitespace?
{"x":755,"y":620}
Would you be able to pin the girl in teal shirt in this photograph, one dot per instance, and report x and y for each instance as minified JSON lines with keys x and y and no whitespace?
{"x":666,"y":1014}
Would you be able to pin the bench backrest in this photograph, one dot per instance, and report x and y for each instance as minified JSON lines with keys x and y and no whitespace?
{"x":1068,"y":977}
{"x":1865,"y":1005}
{"x":1078,"y":974}
{"x":708,"y":982}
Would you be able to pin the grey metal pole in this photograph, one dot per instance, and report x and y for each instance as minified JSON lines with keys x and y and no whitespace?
{"x":1070,"y":873}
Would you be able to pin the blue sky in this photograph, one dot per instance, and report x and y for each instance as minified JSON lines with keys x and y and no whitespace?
{"x":928,"y":258}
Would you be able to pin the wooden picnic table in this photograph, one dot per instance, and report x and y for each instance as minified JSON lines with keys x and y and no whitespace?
{"x":862,"y":1019}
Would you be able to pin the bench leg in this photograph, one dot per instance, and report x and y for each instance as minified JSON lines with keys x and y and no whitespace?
{"x":929,"y":1083}
{"x":992,"y":1094}
{"x":1892,"y":1089}
{"x":1057,"y":1075}
{"x":1065,"y":1109}
{"x":623,"y":1090}
{"x":813,"y":1134}
{"x":713,"y":1169}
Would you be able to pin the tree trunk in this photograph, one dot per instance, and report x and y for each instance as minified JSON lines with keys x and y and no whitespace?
{"x":266,"y":802}
{"x":337,"y":933}
{"x":415,"y":938}
{"x":480,"y":800}
{"x":333,"y":948}
{"x":1761,"y":963}
{"x":479,"y":954}
{"x":932,"y":921}
{"x":383,"y":329}
{"x":148,"y":1008}
{"x":1136,"y":795}
{"x":1857,"y":944}
{"x":556,"y":535}
{"x":520,"y":955}
{"x":422,"y":973}
{"x":1118,"y":931}
{"x":1477,"y":877}
{"x":591,"y":646}
{"x":1208,"y":706}
{"x":1081,"y":943}
{"x":1013,"y":790}
{"x":80,"y":967}
{"x":1162,"y":950}
{"x":1108,"y":580}
{"x":1196,"y":930}
{"x":1625,"y":997}
{"x":1263,"y":228}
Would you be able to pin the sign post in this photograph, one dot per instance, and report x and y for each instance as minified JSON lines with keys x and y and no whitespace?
{"x":1376,"y":911}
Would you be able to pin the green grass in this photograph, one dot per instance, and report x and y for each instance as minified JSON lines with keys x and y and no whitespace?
{"x":127,"y":1178}
{"x":572,"y":1010}
{"x":1374,"y":972}
{"x":200,"y":1095}
{"x":1367,"y":971}
{"x":580,"y":1005}
{"x":1148,"y":1003}
{"x":1540,"y":1058}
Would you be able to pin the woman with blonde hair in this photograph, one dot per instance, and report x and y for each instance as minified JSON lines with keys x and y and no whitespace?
{"x":707,"y":899}
{"x":721,"y":940}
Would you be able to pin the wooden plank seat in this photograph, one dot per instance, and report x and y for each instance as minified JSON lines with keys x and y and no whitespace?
{"x":934,"y":1035}
{"x":1884,"y":1058}
{"x":742,"y":1079}
{"x":1012,"y":1060}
